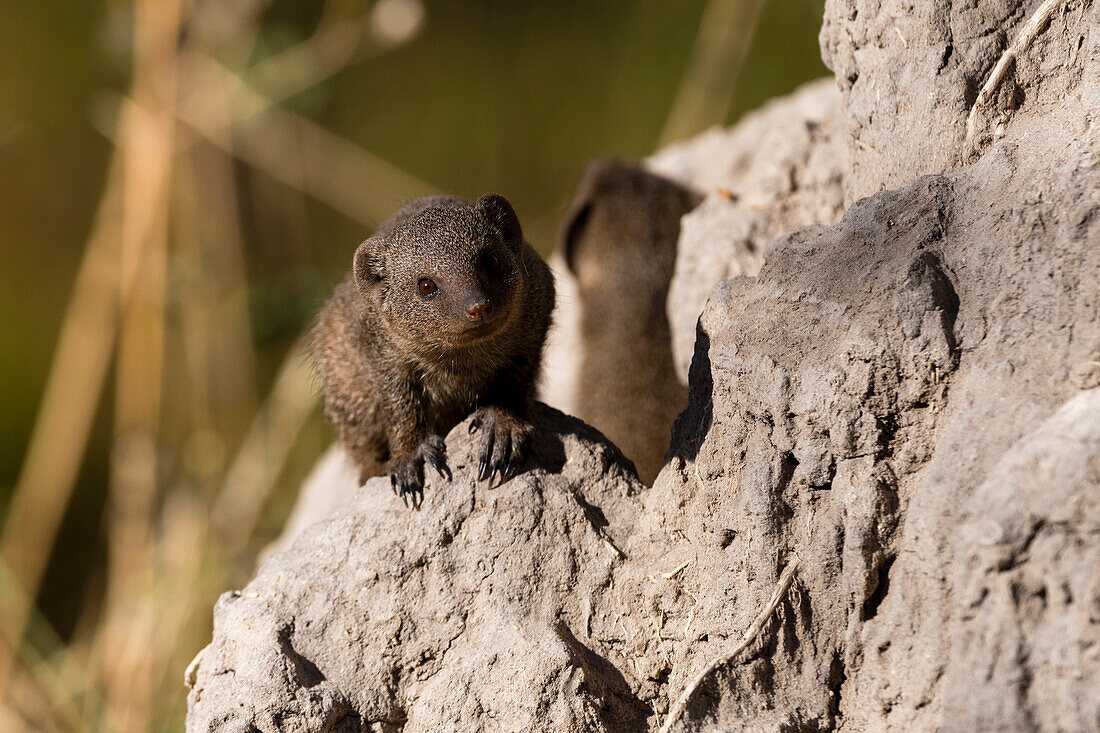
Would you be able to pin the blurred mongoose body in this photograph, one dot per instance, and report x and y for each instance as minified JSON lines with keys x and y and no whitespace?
{"x":444,"y":313}
{"x":619,"y":240}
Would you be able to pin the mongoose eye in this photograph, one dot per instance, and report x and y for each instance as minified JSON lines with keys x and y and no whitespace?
{"x":427,"y":287}
{"x":491,"y":262}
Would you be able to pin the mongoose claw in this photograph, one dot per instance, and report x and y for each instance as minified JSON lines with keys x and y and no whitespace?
{"x":434,"y":451}
{"x":441,"y":468}
{"x":407,"y":480}
{"x":502,"y":456}
{"x":490,"y":455}
{"x":407,"y":474}
{"x":509,"y":472}
{"x":503,"y":445}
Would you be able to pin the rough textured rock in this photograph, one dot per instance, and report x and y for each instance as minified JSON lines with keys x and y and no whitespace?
{"x":853,"y":405}
{"x":1027,"y":576}
{"x":911,"y":72}
{"x":779,"y":168}
{"x":472,"y":610}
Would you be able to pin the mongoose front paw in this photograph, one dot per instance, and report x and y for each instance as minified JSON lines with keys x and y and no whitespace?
{"x":503,"y":444}
{"x":407,"y":475}
{"x":407,"y":479}
{"x":434,"y":451}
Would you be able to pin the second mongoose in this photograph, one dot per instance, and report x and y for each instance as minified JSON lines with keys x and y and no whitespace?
{"x":444,"y":314}
{"x":619,"y":240}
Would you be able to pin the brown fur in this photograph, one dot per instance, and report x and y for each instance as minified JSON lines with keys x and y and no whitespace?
{"x":400,"y":369}
{"x":619,"y":240}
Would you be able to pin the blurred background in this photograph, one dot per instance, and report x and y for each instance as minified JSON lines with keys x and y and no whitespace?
{"x":182,"y":182}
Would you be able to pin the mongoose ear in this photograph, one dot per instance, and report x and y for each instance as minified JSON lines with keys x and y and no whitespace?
{"x":572,"y":230}
{"x":497,"y":210}
{"x":368,"y":265}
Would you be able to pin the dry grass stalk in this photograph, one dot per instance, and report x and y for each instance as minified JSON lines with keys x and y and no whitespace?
{"x":218,"y":367}
{"x":780,"y":590}
{"x":73,"y":388}
{"x":1028,"y":33}
{"x":120,"y":652}
{"x":710,"y":81}
{"x":259,"y":462}
{"x":305,"y":156}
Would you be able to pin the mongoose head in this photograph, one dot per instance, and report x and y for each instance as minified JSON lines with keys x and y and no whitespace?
{"x":624,"y":222}
{"x":449,"y":275}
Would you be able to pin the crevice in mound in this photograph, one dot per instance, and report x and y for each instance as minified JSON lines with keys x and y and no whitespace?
{"x":928,"y":287}
{"x":604,"y":682}
{"x":838,"y":675}
{"x":353,"y":723}
{"x":947,"y":299}
{"x":882,"y":587}
{"x":693,"y":424}
{"x":945,"y":58}
{"x":787,"y":464}
{"x":888,"y":427}
{"x":376,"y":726}
{"x":304,"y":672}
{"x":592,"y":513}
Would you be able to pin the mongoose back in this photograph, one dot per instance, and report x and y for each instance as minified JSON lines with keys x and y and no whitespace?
{"x":619,"y":240}
{"x":444,"y":313}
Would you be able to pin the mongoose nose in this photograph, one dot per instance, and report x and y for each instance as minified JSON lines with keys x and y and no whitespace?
{"x":479,"y":311}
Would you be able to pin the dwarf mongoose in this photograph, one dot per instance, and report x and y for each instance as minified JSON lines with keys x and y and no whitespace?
{"x":444,"y":313}
{"x":619,"y":240}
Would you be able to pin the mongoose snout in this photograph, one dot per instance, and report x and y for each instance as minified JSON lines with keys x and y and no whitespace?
{"x":479,"y":309}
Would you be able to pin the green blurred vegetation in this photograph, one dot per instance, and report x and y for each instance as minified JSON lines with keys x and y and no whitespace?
{"x":489,"y":95}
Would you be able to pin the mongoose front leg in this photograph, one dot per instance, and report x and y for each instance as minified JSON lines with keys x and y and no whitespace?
{"x":411,"y":444}
{"x":507,"y":429}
